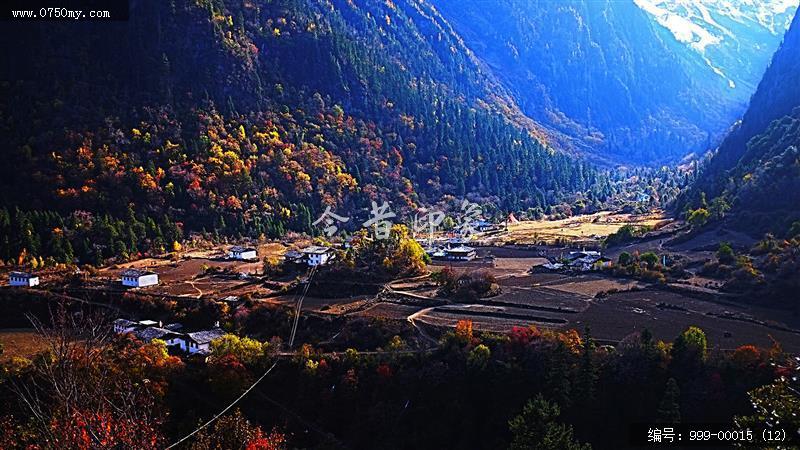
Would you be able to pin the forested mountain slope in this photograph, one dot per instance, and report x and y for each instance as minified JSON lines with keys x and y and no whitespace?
{"x":250,"y":117}
{"x":756,"y":170}
{"x":604,"y":75}
{"x":596,"y":71}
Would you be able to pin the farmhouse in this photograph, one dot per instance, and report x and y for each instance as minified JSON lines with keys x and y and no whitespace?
{"x":22,"y":279}
{"x":481,"y":225}
{"x":316,"y":255}
{"x":460,"y":253}
{"x":122,"y":326}
{"x":588,"y":260}
{"x":293,"y":256}
{"x":200,"y":341}
{"x":139,"y":278}
{"x":242,"y":253}
{"x":149,"y":333}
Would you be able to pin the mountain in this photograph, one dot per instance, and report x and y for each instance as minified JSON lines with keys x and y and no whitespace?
{"x":733,"y":40}
{"x":756,"y":170}
{"x":606,"y":77}
{"x":249,"y":118}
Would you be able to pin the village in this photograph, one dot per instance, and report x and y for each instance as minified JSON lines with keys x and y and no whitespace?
{"x":560,"y":284}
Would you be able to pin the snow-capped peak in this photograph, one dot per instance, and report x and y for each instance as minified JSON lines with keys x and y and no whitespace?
{"x":726,"y":34}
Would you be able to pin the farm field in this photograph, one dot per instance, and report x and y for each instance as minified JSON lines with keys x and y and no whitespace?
{"x":20,"y":342}
{"x":564,"y":301}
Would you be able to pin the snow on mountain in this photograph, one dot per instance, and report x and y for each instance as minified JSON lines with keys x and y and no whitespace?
{"x":733,"y":38}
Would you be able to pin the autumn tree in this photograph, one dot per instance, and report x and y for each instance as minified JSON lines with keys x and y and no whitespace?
{"x":87,"y":391}
{"x":234,"y":431}
{"x":689,"y":350}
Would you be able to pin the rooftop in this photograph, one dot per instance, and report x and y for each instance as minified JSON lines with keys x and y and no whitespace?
{"x":21,"y":275}
{"x":125,"y":322}
{"x":150,"y":333}
{"x":136,"y":273}
{"x":315,"y":250}
{"x":206,"y":336}
{"x":460,"y":249}
{"x":239,"y":249}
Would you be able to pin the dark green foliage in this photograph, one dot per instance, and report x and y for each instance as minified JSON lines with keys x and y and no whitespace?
{"x":81,"y":236}
{"x":725,"y":253}
{"x":536,"y":428}
{"x":625,"y":258}
{"x":689,"y":350}
{"x":754,"y":178}
{"x":587,"y":375}
{"x":669,"y":410}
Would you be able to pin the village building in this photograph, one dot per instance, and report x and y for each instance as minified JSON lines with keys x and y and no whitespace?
{"x":231,"y":299}
{"x":22,"y":279}
{"x":173,"y":326}
{"x":139,"y":278}
{"x":122,"y":326}
{"x":200,"y":341}
{"x":481,"y":225}
{"x":242,"y":253}
{"x":460,"y":253}
{"x":586,"y":261}
{"x":293,"y":256}
{"x":317,"y":255}
{"x":553,"y":266}
{"x":456,"y":242}
{"x":149,"y":333}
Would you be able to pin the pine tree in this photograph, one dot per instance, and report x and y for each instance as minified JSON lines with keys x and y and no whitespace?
{"x":669,"y":409}
{"x":587,"y":375}
{"x":536,"y":428}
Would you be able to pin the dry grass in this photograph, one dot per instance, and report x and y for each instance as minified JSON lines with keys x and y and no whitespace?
{"x":585,"y":227}
{"x":20,"y":342}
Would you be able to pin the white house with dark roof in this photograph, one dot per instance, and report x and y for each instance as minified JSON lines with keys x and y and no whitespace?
{"x":293,"y":256}
{"x":200,"y":341}
{"x":149,"y":333}
{"x":460,"y":253}
{"x":139,"y":278}
{"x":122,"y":326}
{"x":242,"y":253}
{"x":22,"y":279}
{"x":316,"y":255}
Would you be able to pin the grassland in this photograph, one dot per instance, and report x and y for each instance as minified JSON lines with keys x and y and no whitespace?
{"x":587,"y":227}
{"x":20,"y":342}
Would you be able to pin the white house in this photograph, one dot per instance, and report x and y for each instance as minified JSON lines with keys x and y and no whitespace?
{"x":460,"y":253}
{"x":22,"y":279}
{"x":316,"y":255}
{"x":481,"y":225}
{"x":199,"y":341}
{"x":139,"y":278}
{"x":293,"y":256}
{"x":242,"y":253}
{"x":122,"y":326}
{"x":150,"y":333}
